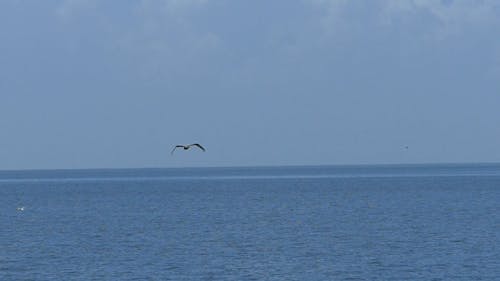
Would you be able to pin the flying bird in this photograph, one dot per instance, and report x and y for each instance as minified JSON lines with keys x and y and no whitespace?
{"x":186,"y":147}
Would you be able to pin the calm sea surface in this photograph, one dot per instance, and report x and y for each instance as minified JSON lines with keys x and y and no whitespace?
{"x":421,"y":222}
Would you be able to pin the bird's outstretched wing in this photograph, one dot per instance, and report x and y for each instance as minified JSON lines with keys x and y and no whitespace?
{"x":175,"y":147}
{"x":198,"y":145}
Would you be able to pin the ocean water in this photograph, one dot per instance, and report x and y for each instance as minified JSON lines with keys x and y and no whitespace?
{"x":413,"y":222}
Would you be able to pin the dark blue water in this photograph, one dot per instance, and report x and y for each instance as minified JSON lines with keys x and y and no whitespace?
{"x":419,"y":222}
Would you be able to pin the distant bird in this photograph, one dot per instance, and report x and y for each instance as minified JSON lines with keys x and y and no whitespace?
{"x":186,"y":147}
{"x":20,"y":208}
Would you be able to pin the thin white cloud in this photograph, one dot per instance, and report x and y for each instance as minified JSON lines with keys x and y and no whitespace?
{"x":172,"y":6}
{"x":68,"y":8}
{"x":460,"y":10}
{"x":184,"y":4}
{"x":452,"y":14}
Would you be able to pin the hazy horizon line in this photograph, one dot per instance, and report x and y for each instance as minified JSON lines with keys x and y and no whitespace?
{"x":258,"y":166}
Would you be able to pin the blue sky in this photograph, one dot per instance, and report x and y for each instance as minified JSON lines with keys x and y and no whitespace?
{"x":91,"y":84}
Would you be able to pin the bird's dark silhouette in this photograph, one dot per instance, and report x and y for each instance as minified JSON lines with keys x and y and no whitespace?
{"x":186,"y":147}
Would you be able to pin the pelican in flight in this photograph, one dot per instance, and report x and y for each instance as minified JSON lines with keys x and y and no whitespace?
{"x":186,"y":147}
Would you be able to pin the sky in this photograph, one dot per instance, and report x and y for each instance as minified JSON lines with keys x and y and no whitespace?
{"x":116,"y":84}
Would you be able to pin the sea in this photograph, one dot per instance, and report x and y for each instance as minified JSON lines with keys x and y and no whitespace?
{"x":381,"y":222}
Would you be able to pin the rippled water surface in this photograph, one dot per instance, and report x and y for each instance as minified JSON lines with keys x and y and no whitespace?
{"x":298,"y":223}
